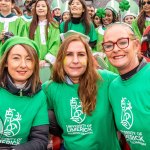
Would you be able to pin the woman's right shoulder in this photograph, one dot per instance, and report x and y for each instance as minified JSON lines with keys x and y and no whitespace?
{"x":50,"y":86}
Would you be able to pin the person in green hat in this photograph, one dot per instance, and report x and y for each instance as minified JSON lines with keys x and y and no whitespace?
{"x":111,"y":16}
{"x":23,"y":115}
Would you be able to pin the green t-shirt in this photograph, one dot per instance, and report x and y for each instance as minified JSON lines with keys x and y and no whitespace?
{"x":131,"y":106}
{"x":80,"y":28}
{"x":80,"y":131}
{"x":20,"y":114}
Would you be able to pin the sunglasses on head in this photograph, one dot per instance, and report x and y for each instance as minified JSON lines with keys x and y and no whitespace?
{"x":143,"y":3}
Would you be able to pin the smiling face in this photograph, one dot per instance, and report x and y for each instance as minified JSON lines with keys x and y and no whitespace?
{"x":41,"y":9}
{"x":76,"y":8}
{"x":128,"y":19}
{"x":19,"y":64}
{"x":75,"y":62}
{"x":123,"y":59}
{"x":146,"y":7}
{"x":108,"y":17}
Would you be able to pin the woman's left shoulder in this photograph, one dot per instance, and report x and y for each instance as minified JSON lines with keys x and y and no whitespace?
{"x":105,"y":74}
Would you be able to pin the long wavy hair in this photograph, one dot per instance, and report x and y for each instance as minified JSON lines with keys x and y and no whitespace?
{"x":141,"y":21}
{"x":34,"y":78}
{"x":88,"y":81}
{"x":85,"y":19}
{"x":35,"y":20}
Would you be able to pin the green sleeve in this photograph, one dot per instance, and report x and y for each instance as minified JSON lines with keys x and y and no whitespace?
{"x":136,"y":29}
{"x":20,"y":25}
{"x":92,"y":34}
{"x":25,"y":29}
{"x":107,"y":75}
{"x":53,"y":40}
{"x":61,"y":27}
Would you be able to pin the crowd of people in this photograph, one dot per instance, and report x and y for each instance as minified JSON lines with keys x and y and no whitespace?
{"x":95,"y":96}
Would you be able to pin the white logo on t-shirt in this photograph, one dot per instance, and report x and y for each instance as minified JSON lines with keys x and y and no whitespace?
{"x":11,"y":123}
{"x":126,"y":114}
{"x":76,"y":111}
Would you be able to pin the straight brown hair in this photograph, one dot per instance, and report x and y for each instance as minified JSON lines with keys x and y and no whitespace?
{"x":88,"y":81}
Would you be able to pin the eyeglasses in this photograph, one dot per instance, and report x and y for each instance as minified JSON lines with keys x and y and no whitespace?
{"x":143,"y":3}
{"x":121,"y":43}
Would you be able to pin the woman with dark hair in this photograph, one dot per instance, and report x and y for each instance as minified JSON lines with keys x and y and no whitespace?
{"x":96,"y":21}
{"x":65,"y":15}
{"x":78,"y":95}
{"x":23,"y":112}
{"x":44,"y":31}
{"x":79,"y":21}
{"x":111,"y":16}
{"x":143,"y":19}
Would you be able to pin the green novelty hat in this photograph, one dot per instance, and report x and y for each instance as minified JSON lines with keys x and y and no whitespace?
{"x":132,"y":11}
{"x":113,"y":5}
{"x":15,"y":40}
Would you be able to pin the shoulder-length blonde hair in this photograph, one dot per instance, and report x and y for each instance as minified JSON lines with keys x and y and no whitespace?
{"x":88,"y":81}
{"x":34,"y":79}
{"x":35,"y":20}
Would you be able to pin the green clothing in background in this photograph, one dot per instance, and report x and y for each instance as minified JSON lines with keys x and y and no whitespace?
{"x":80,"y":28}
{"x":19,"y":115}
{"x":100,"y":33}
{"x":47,"y":45}
{"x":130,"y":100}
{"x":26,"y":18}
{"x":80,"y":131}
{"x":11,"y":23}
{"x":136,"y":29}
